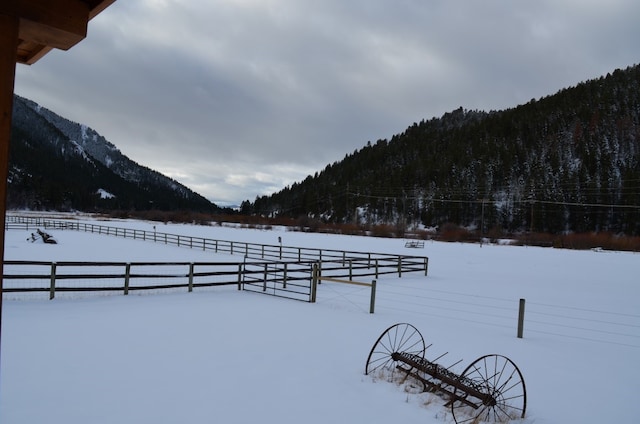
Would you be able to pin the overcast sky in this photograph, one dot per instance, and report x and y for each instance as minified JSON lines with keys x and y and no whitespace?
{"x":240,"y":98}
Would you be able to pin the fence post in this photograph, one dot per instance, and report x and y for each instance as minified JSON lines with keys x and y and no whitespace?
{"x":426,"y":266}
{"x":314,"y":283}
{"x":350,"y":269}
{"x":399,"y":266}
{"x":264,"y":285}
{"x":284,"y":280}
{"x":190,"y":277}
{"x":521,"y":319}
{"x":239,"y":274}
{"x":52,"y":288}
{"x":127,"y":275}
{"x":372,"y":305}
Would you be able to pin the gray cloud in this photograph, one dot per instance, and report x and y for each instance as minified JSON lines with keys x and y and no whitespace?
{"x":240,"y":98}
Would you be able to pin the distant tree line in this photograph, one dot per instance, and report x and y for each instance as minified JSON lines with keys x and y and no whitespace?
{"x":569,"y":162}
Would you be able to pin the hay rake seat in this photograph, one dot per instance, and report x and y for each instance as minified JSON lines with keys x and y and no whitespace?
{"x":490,"y":389}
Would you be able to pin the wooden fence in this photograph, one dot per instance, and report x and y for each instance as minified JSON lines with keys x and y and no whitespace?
{"x":291,"y":279}
{"x":284,"y":271}
{"x":54,"y":277}
{"x":60,"y":277}
{"x":352,"y":260}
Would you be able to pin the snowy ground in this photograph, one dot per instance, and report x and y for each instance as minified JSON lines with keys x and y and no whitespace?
{"x":222,"y":355}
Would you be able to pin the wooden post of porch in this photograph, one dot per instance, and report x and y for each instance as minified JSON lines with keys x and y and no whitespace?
{"x":9,"y":26}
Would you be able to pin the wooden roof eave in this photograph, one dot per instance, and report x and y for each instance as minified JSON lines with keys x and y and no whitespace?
{"x":44,"y":26}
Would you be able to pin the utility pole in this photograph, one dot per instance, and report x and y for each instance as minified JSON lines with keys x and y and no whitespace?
{"x":482,"y":218}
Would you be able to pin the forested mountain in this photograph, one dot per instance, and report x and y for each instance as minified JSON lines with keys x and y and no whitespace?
{"x":566,"y":162}
{"x":58,"y":164}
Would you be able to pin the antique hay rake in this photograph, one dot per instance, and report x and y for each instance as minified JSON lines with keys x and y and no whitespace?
{"x":490,"y":389}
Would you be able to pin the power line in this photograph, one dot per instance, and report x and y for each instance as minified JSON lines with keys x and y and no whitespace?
{"x":480,"y":201}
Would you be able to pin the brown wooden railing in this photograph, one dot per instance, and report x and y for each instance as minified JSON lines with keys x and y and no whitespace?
{"x":275,"y":269}
{"x":341,"y":258}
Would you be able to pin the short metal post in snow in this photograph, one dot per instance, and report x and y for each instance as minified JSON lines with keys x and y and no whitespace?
{"x":372,"y":305}
{"x":521,"y":319}
{"x":52,"y":288}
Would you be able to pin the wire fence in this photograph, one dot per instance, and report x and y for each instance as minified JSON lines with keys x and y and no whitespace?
{"x":561,"y":321}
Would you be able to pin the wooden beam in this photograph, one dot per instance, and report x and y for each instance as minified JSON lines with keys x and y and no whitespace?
{"x":9,"y":27}
{"x":29,"y":53}
{"x":59,"y":24}
{"x":98,"y":6}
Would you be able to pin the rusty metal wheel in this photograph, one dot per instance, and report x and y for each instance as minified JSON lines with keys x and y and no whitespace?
{"x":506,"y":396}
{"x":401,"y":337}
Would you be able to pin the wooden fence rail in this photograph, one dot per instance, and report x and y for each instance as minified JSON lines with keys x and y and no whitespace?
{"x":52,"y":277}
{"x":249,"y":250}
{"x":283,"y":278}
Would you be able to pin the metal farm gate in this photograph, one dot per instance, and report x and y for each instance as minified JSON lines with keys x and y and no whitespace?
{"x":291,"y":280}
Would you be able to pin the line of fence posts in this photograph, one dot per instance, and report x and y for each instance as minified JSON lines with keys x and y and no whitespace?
{"x":233,"y":247}
{"x":316,"y":278}
{"x":127,"y":278}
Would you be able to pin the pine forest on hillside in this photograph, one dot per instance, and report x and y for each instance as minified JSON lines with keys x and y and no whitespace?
{"x":56,"y":164}
{"x":568,"y":162}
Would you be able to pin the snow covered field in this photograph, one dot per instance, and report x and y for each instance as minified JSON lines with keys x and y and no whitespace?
{"x":222,"y":355}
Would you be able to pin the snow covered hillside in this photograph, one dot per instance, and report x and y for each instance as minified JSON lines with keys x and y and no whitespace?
{"x":223,"y":355}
